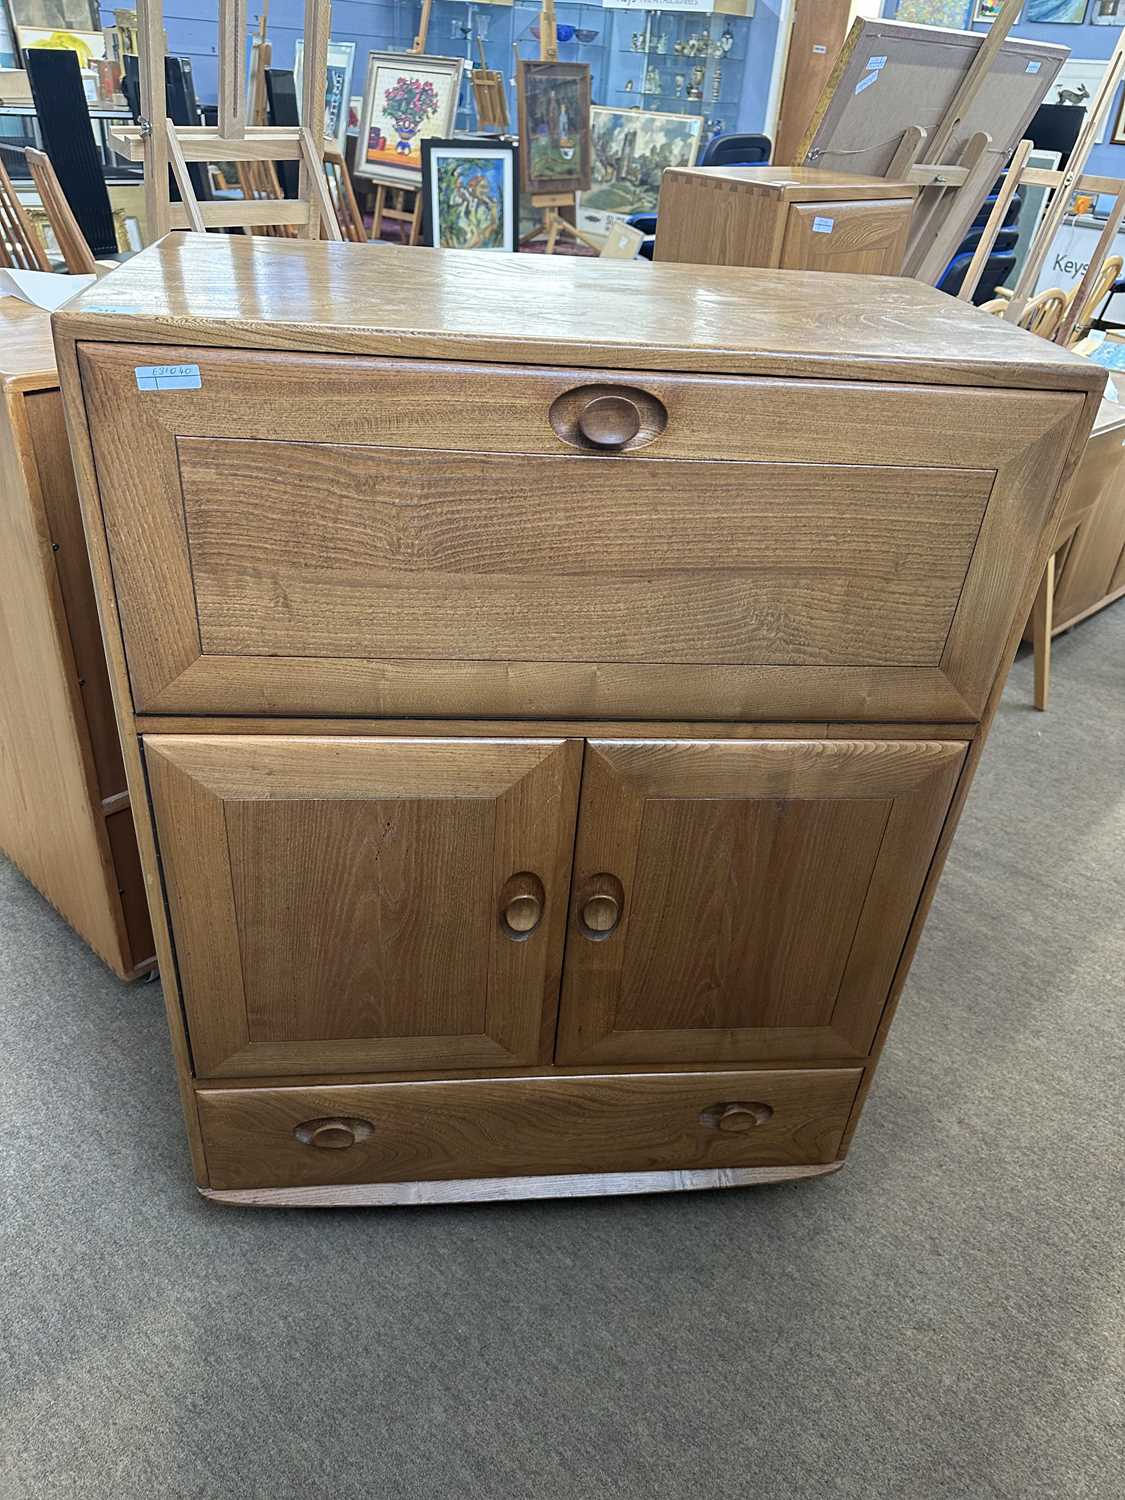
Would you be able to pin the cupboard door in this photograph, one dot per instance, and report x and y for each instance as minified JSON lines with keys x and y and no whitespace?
{"x":735,"y":901}
{"x":865,"y":239}
{"x":322,"y":535}
{"x":363,"y":904}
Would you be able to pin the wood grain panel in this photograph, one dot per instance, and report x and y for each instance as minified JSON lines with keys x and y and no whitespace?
{"x":336,"y":904}
{"x":766,"y":890}
{"x":420,"y":556}
{"x":882,"y":428}
{"x":868,"y":239}
{"x":435,"y":1131}
{"x":60,"y":502}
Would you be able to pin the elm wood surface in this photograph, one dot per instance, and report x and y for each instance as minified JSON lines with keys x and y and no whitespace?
{"x":340,"y":904}
{"x":491,"y":728}
{"x":1055,"y":447}
{"x":518,"y":581}
{"x":248,"y":292}
{"x":428,"y":1131}
{"x":762,"y":894}
{"x":792,"y":218}
{"x":61,"y":775}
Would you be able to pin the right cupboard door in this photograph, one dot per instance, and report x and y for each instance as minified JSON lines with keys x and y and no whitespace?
{"x":738,"y":900}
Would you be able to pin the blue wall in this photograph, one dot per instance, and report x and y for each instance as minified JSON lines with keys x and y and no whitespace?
{"x":1084,"y":41}
{"x":381,"y":25}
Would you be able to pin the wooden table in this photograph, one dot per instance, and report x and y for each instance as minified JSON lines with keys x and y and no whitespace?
{"x":1086,"y":570}
{"x":64,"y":807}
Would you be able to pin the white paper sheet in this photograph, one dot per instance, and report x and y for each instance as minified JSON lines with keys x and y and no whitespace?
{"x":45,"y":289}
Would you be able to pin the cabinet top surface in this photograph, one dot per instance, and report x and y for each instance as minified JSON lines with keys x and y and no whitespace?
{"x":790,"y":182}
{"x":27,"y":355}
{"x":253,"y":292}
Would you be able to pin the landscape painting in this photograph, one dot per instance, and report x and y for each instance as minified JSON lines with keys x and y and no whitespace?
{"x":471,"y":200}
{"x":630,"y":149}
{"x":554,"y":126}
{"x":407,"y":98}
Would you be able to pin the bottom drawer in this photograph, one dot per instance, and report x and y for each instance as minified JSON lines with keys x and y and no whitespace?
{"x":500,"y":1127}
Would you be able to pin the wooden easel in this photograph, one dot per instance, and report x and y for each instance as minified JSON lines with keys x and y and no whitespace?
{"x":258,"y":179}
{"x":1065,"y":184}
{"x":954,"y":162}
{"x":160,"y":144}
{"x":488,"y":95}
{"x":552,"y":223}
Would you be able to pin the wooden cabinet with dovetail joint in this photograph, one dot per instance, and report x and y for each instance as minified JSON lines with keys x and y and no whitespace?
{"x":790,"y":218}
{"x":549,"y":700}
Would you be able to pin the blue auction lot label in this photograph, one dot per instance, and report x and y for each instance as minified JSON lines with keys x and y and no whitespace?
{"x":168,"y":377}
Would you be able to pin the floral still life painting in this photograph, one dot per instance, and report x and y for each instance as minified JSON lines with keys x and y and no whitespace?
{"x":554,"y":126}
{"x":470,"y":194}
{"x":630,"y":149}
{"x":407,"y":98}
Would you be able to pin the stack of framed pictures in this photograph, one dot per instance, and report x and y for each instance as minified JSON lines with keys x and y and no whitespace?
{"x":408,"y":99}
{"x":630,"y":149}
{"x":470,"y":193}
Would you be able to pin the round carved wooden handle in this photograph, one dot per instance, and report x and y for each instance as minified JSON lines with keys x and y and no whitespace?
{"x":331,"y":1135}
{"x":609,"y":421}
{"x":737,"y":1118}
{"x":601,"y":913}
{"x":522,"y":913}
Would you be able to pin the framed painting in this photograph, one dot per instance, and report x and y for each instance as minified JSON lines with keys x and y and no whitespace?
{"x":337,"y":89}
{"x":407,"y":98}
{"x":629,"y":150}
{"x":986,"y":11}
{"x":471,"y":195}
{"x":1108,"y":13}
{"x":935,"y":12}
{"x":554,"y":126}
{"x":1055,"y":12}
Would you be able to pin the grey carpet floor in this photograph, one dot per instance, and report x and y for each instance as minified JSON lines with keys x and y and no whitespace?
{"x":942,"y":1318}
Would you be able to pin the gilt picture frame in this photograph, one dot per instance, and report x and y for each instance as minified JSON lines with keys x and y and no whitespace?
{"x":553,"y":100}
{"x":470,"y":191}
{"x":408,"y":97}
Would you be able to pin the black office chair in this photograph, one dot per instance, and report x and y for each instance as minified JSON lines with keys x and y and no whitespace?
{"x":737,"y":151}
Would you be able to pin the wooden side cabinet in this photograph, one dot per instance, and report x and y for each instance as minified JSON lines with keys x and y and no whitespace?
{"x":792,"y":218}
{"x":64,"y":807}
{"x":546,"y":728}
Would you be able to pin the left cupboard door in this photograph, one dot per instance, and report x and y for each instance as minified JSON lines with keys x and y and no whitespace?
{"x":362,"y":905}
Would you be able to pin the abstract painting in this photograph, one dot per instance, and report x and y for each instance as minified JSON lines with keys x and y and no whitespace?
{"x":986,"y":11}
{"x":554,"y":126}
{"x":935,"y":12}
{"x":630,"y":149}
{"x":1056,"y":12}
{"x":408,"y":97}
{"x":471,"y":199}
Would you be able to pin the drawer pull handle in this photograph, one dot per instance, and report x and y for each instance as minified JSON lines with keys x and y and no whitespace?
{"x":737,"y":1118}
{"x":601,"y":914}
{"x":334,"y":1134}
{"x":522,"y":913}
{"x":521,"y":905}
{"x":609,"y":421}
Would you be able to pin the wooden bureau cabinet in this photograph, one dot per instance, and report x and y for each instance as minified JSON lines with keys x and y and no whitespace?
{"x":548,"y":696}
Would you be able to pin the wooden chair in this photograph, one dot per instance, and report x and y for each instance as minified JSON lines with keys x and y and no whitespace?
{"x":342,"y":193}
{"x":20,"y":246}
{"x":76,"y":253}
{"x":1044,"y":312}
{"x":1110,"y":271}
